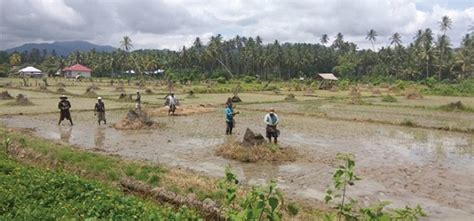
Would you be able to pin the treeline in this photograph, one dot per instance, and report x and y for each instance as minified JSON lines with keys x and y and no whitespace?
{"x":426,"y":56}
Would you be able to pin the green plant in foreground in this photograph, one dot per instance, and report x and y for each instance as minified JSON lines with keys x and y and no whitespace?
{"x":7,"y":143}
{"x":349,"y":209}
{"x":261,"y":203}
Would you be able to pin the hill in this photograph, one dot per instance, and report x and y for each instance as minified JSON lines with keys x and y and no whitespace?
{"x":62,"y":48}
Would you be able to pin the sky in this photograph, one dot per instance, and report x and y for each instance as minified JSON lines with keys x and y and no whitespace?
{"x":159,"y":24}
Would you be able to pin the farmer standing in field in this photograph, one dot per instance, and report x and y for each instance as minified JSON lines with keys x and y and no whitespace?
{"x":64,"y":106}
{"x":171,"y":101}
{"x":100,"y":111}
{"x":138,"y":101}
{"x":229,"y":119}
{"x":271,"y":120}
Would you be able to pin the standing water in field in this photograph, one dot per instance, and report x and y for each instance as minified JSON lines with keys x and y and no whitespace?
{"x":406,"y":166}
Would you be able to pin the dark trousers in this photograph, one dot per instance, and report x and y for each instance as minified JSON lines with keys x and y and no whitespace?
{"x":230,"y":126}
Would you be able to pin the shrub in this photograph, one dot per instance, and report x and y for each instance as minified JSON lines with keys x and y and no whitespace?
{"x":248,"y":79}
{"x":293,"y":209}
{"x":389,"y":98}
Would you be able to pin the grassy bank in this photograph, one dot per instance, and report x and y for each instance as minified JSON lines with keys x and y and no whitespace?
{"x":29,"y":193}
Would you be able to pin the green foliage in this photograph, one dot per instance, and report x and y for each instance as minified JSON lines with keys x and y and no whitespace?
{"x":343,"y":84}
{"x":345,"y":176}
{"x":34,"y":194}
{"x":464,"y":88}
{"x":389,"y":98}
{"x":261,"y":203}
{"x":293,"y":209}
{"x":248,"y":79}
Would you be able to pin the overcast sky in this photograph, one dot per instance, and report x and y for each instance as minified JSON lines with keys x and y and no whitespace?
{"x":174,"y":23}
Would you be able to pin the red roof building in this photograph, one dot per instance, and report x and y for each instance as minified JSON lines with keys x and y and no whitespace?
{"x":77,"y":71}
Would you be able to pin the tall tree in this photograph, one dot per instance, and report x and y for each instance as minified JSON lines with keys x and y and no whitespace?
{"x":126,"y":43}
{"x":372,"y":37}
{"x":15,"y":59}
{"x":396,"y":39}
{"x":324,"y":39}
{"x":444,"y":25}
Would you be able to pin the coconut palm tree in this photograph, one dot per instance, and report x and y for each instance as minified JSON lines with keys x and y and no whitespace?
{"x":15,"y":59}
{"x":444,"y":25}
{"x":372,"y":37}
{"x":324,"y":39}
{"x":396,"y":39}
{"x":126,"y":43}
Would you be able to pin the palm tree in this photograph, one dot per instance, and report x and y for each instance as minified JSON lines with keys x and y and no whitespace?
{"x":339,"y":41}
{"x":15,"y":59}
{"x":396,"y":39}
{"x":372,"y":37}
{"x":444,"y":25}
{"x":126,"y":43}
{"x":324,"y":39}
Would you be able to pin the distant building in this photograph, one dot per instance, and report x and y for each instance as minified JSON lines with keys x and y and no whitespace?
{"x":327,"y":80}
{"x":31,"y":72}
{"x":77,"y":71}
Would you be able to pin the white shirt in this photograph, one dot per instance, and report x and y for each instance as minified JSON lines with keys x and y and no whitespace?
{"x":172,"y":100}
{"x":268,"y":119}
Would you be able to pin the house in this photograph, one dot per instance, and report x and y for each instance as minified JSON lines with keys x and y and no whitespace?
{"x":76,"y":71}
{"x":328,"y":80}
{"x":30,"y":72}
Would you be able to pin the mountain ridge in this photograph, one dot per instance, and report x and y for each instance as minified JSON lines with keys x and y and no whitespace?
{"x":61,"y":48}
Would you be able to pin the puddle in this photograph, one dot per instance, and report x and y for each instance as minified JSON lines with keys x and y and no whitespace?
{"x":406,"y":166}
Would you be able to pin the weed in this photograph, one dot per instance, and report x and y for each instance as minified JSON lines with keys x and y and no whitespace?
{"x":293,"y":209}
{"x":389,"y":98}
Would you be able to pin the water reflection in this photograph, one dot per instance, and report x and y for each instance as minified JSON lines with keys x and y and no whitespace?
{"x":65,"y":133}
{"x":99,"y":137}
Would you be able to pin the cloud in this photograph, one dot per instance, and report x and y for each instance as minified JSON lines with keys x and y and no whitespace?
{"x":172,"y":24}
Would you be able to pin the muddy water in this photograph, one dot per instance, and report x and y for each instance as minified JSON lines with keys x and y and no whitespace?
{"x":406,"y":166}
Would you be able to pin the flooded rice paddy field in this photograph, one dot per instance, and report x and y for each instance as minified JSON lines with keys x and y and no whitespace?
{"x":426,"y":117}
{"x":406,"y":166}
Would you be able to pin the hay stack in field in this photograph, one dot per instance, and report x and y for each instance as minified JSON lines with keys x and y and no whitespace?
{"x":90,"y":93}
{"x":60,"y":84}
{"x":135,"y":120}
{"x":191,"y":94}
{"x":254,"y":149}
{"x":148,"y":91}
{"x":5,"y":96}
{"x":61,"y":90}
{"x":236,"y":99}
{"x":412,"y":93}
{"x":333,"y":89}
{"x":290,"y":97}
{"x":454,"y":106}
{"x":43,"y":87}
{"x":376,"y":92}
{"x":21,"y":100}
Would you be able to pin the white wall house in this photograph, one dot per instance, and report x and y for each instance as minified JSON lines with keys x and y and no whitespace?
{"x":76,"y":71}
{"x":31,"y":72}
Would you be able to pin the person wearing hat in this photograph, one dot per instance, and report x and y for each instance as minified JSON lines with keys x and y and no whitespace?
{"x":100,"y":110}
{"x":64,"y":106}
{"x":271,"y":120}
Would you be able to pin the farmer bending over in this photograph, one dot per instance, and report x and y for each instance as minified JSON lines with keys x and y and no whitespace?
{"x":64,"y":106}
{"x":271,"y":120}
{"x":229,"y":119}
{"x":100,"y":110}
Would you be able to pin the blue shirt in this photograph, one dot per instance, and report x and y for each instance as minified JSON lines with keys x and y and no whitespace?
{"x":229,"y":114}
